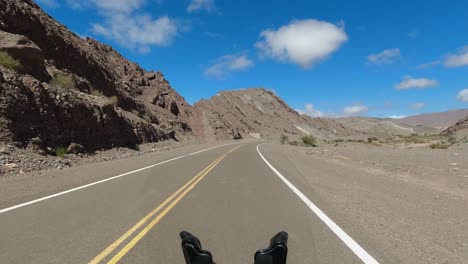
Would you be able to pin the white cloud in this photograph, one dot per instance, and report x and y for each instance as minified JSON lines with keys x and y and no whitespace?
{"x":457,"y":60}
{"x":140,"y":31}
{"x":311,"y":111}
{"x":49,"y":3}
{"x":303,"y":42}
{"x":463,"y":95}
{"x":397,"y":116}
{"x":228,"y":63}
{"x":355,"y":109}
{"x":428,"y":64}
{"x":417,"y":106}
{"x":120,"y":6}
{"x":197,"y":5}
{"x":418,"y":83}
{"x":387,"y":56}
{"x":126,"y":25}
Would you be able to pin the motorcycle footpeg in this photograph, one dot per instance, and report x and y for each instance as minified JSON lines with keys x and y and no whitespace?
{"x":277,"y":251}
{"x":193,"y":252}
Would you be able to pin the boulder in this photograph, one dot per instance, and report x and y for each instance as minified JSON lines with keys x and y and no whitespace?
{"x":26,"y":52}
{"x":75,"y":148}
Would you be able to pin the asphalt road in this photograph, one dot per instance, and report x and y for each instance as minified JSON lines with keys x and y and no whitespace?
{"x":227,"y":196}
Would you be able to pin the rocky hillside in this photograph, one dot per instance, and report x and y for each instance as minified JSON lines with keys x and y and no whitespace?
{"x":459,"y":129}
{"x":383,"y":127}
{"x":57,"y":88}
{"x":258,"y":112}
{"x":439,"y":120}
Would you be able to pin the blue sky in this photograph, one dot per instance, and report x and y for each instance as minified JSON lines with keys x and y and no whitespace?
{"x":325,"y":58}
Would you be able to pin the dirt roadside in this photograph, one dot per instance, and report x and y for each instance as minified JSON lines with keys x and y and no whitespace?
{"x":402,"y":205}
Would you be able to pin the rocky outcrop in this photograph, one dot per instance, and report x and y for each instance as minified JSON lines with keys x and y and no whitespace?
{"x":39,"y":113}
{"x":26,"y":52}
{"x":73,"y":90}
{"x":458,"y":130}
{"x":242,"y":113}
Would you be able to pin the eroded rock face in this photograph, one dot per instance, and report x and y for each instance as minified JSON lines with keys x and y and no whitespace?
{"x":96,"y":97}
{"x":26,"y":52}
{"x":30,"y":109}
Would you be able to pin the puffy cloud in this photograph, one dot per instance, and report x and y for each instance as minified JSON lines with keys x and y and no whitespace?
{"x":311,"y":111}
{"x":457,"y":60}
{"x":139,"y":31}
{"x":416,"y":83}
{"x":228,"y":63}
{"x":120,"y":6}
{"x":197,"y":5}
{"x":417,"y":106}
{"x":355,"y":109}
{"x":387,"y":56}
{"x":303,"y":42}
{"x":463,"y":95}
{"x":124,"y":24}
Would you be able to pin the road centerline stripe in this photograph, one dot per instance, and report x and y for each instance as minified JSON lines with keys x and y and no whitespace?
{"x":145,"y":219}
{"x":184,"y":189}
{"x":340,"y":233}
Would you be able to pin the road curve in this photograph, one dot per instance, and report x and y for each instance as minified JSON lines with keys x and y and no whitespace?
{"x":227,"y":196}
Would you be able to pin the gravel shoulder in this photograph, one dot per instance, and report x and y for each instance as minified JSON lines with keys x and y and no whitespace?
{"x":402,"y":205}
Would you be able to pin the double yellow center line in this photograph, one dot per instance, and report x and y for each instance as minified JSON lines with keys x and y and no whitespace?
{"x":175,"y":198}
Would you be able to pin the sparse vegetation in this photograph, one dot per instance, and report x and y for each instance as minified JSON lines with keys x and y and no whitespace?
{"x":284,"y":139}
{"x":356,"y":141}
{"x":147,"y":117}
{"x":63,"y":80}
{"x":372,"y":139}
{"x":452,"y":140}
{"x":7,"y":61}
{"x":339,"y":140}
{"x":440,"y":145}
{"x":293,"y":143}
{"x":309,"y":140}
{"x":114,"y":100}
{"x":60,"y":151}
{"x":96,"y":93}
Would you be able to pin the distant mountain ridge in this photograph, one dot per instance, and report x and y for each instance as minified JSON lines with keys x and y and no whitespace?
{"x":383,"y":127}
{"x":438,"y":120}
{"x":246,"y":112}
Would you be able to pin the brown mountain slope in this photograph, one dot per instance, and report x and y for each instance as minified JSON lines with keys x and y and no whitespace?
{"x":459,"y":129}
{"x":67,"y":89}
{"x":383,"y":127}
{"x":439,"y":120}
{"x":240,"y":113}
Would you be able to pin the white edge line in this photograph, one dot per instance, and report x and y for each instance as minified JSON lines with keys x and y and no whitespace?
{"x":355,"y":247}
{"x":105,"y":180}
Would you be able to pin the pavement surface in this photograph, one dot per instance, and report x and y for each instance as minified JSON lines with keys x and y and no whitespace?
{"x":227,"y":196}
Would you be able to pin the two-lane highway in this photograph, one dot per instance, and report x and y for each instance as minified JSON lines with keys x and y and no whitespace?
{"x":228,"y":196}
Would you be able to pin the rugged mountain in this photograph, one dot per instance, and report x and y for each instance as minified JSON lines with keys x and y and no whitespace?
{"x":255,"y":112}
{"x":383,"y":127}
{"x":57,"y":88}
{"x":459,"y":129}
{"x":439,"y":120}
